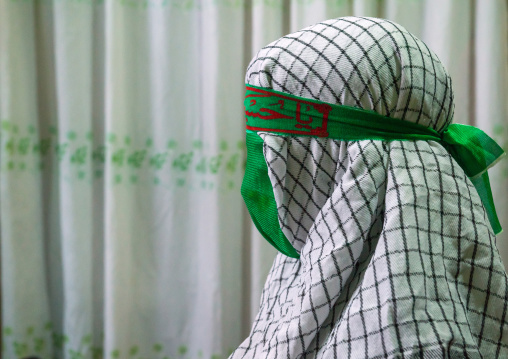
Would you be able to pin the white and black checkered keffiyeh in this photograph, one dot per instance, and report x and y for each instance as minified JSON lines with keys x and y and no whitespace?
{"x":397,"y":256}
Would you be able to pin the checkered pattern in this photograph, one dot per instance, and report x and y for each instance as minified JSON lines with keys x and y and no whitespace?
{"x":398,"y":259}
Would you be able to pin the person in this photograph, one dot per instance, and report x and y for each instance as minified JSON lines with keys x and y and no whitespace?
{"x":379,"y":205}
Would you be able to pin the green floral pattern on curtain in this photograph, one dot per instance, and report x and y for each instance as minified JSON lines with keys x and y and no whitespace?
{"x":35,"y":339}
{"x":24,"y":151}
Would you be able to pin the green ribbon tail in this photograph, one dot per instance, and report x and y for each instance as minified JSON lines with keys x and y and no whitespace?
{"x":257,"y":192}
{"x":475,"y":152}
{"x":482,"y":185}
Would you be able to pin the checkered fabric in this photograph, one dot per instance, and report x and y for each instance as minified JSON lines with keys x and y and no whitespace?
{"x":397,"y":256}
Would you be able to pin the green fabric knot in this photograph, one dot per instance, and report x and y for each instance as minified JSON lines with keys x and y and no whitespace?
{"x":475,"y":152}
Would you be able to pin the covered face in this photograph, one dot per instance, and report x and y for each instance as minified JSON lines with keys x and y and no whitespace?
{"x":386,"y":247}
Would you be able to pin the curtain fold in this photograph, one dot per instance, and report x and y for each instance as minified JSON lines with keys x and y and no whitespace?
{"x":123,"y":232}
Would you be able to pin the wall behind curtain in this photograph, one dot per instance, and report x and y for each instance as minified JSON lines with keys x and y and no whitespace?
{"x":123,"y":232}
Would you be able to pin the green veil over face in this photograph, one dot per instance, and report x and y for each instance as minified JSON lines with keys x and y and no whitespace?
{"x":379,"y":206}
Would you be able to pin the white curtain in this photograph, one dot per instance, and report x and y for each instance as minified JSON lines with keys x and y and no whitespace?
{"x":121,"y":166}
{"x":123,"y":232}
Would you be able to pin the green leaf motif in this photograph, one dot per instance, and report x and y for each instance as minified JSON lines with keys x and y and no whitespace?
{"x":6,"y":125}
{"x":157,"y":348}
{"x":115,"y":353}
{"x":232,"y":163}
{"x":20,"y":348}
{"x":134,"y":350}
{"x":201,"y":166}
{"x":74,"y":354}
{"x":7,"y":330}
{"x":9,"y":146}
{"x":111,"y":138}
{"x":136,"y":159}
{"x":60,"y":150}
{"x":97,"y":353}
{"x":158,"y":160}
{"x":79,"y":156}
{"x":58,"y":340}
{"x":71,"y":135}
{"x":183,"y":161}
{"x":39,"y":344}
{"x":29,"y":331}
{"x":118,"y":157}
{"x":99,"y":154}
{"x":23,"y":145}
{"x":87,"y":339}
{"x":182,"y":349}
{"x":43,"y":146}
{"x":215,"y":163}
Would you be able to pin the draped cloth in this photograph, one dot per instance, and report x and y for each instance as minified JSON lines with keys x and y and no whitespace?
{"x":397,"y":256}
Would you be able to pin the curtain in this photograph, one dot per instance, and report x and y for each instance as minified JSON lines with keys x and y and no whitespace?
{"x":123,"y":232}
{"x":121,"y":163}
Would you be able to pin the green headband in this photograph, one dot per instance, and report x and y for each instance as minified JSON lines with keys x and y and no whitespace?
{"x":267,"y":110}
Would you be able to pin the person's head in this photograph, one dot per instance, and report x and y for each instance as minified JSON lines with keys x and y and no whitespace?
{"x":367,"y":63}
